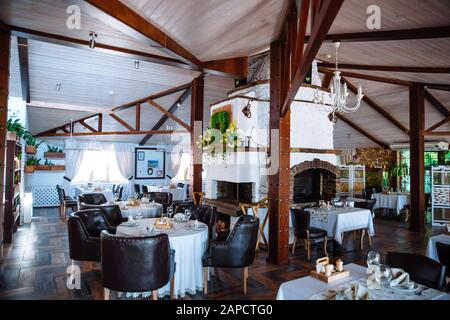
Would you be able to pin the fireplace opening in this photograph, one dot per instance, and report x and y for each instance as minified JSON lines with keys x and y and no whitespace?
{"x":313,"y":185}
{"x":234,"y":192}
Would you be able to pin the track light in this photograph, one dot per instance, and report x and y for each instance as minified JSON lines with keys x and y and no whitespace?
{"x":136,"y":64}
{"x":92,"y":37}
{"x":58,"y":86}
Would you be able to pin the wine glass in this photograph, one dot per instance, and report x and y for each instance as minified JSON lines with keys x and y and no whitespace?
{"x":116,"y":197}
{"x":170,"y":211}
{"x":383,"y":274}
{"x":187,"y":213}
{"x":373,"y":259}
{"x":138,"y":216}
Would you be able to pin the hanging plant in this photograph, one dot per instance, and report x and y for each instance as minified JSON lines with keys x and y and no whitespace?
{"x":399,"y":170}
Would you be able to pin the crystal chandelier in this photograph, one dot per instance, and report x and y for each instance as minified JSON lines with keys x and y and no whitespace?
{"x":337,"y":96}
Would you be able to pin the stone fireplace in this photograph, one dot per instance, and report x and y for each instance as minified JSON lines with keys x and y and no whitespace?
{"x":234,"y":192}
{"x":312,"y":181}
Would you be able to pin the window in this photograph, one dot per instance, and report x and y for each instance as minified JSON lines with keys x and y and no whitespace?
{"x":99,"y":166}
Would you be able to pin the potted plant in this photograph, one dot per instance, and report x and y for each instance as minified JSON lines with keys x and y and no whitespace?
{"x":31,"y":164}
{"x":54,"y":152}
{"x":400,"y":170}
{"x":14,"y":129}
{"x":32,"y":143}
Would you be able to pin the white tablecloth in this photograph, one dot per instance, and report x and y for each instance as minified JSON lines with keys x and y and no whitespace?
{"x":178,"y":194}
{"x":189,"y":246}
{"x":431,"y":247}
{"x":339,"y":220}
{"x":106,"y":192}
{"x":391,"y":201}
{"x":306,"y":287}
{"x":147,"y":210}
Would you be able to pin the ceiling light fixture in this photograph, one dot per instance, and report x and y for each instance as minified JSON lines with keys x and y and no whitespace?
{"x":58,"y":86}
{"x":92,"y":37}
{"x":111,"y":92}
{"x":178,"y":104}
{"x":136,"y":64}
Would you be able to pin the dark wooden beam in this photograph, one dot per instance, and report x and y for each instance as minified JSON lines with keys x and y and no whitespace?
{"x":100,"y":47}
{"x":5,"y":44}
{"x":84,"y":124}
{"x":197,"y":109}
{"x":328,"y":12}
{"x":417,"y":165}
{"x":437,"y":86}
{"x":436,"y":104}
{"x":154,"y":96}
{"x":437,"y":133}
{"x":53,"y":130}
{"x":408,"y":34}
{"x":120,"y":17}
{"x":367,"y":77}
{"x":104,"y":133}
{"x":301,"y":33}
{"x":387,"y":68}
{"x":362,"y":131}
{"x":22,"y":45}
{"x":122,"y":122}
{"x":438,"y":124}
{"x":377,"y":107}
{"x":170,"y":115}
{"x":65,"y":130}
{"x":278,"y":192}
{"x":233,"y":66}
{"x":138,"y":117}
{"x":164,"y":118}
{"x":100,"y":122}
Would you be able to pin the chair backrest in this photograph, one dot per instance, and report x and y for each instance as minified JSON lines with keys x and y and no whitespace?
{"x":111,"y":212}
{"x":180,"y":205}
{"x":368,"y":204}
{"x":443,"y":251}
{"x":135,"y":264}
{"x":421,"y":269}
{"x":119,"y":191}
{"x":180,"y":185}
{"x":208,"y":215}
{"x":92,"y":198}
{"x":144,"y":189}
{"x":242,"y":242}
{"x":113,"y":189}
{"x":93,"y":220}
{"x":82,"y":247}
{"x":137,"y":188}
{"x":60,"y":191}
{"x":164,"y":198}
{"x":301,"y":221}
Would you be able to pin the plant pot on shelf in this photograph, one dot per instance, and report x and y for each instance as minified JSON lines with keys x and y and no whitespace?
{"x":30,"y":149}
{"x":54,"y":155}
{"x":57,"y":167}
{"x":29,"y":169}
{"x":11,"y":135}
{"x":43,"y":167}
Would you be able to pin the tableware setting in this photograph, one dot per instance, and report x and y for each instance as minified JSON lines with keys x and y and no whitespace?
{"x":401,"y":281}
{"x":195,"y":225}
{"x":327,"y":272}
{"x":131,"y":222}
{"x":180,"y":217}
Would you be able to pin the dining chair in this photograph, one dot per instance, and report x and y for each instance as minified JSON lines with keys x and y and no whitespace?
{"x":421,"y":269}
{"x":369,"y":205}
{"x":137,"y":188}
{"x":111,"y":212}
{"x":179,"y":206}
{"x":164,"y":198}
{"x":237,"y":251}
{"x":65,"y":201}
{"x":208,"y":215}
{"x":443,"y":251}
{"x":301,"y":219}
{"x":91,"y":198}
{"x":136,"y":264}
{"x":119,"y":192}
{"x":144,"y":189}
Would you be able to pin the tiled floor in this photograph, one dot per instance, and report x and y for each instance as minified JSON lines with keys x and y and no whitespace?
{"x":35,"y":265}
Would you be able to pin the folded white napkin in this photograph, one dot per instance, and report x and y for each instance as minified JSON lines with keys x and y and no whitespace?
{"x":400,"y":278}
{"x":354,"y":292}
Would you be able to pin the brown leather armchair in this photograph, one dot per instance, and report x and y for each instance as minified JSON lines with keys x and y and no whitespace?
{"x":111,"y":212}
{"x":91,"y":198}
{"x":208,"y":215}
{"x":180,"y":206}
{"x":164,"y":198}
{"x":302,"y":230}
{"x":136,"y":264}
{"x":238,"y":251}
{"x":421,"y":269}
{"x":65,"y":201}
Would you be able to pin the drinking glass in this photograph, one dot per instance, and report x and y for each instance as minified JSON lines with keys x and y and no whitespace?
{"x":138,"y":216}
{"x":116,"y":197}
{"x":187,"y":213}
{"x":383,"y":274}
{"x":170,"y":211}
{"x":373,"y":259}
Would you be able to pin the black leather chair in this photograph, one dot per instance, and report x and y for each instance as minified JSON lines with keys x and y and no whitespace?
{"x":164,"y":198}
{"x":180,"y":206}
{"x":443,"y":251}
{"x":208,"y":215}
{"x":65,"y":201}
{"x":84,"y":229}
{"x":111,"y":212}
{"x":136,"y":264}
{"x":302,"y":230}
{"x":421,"y":269}
{"x":91,"y":198}
{"x":119,"y":192}
{"x":238,"y":251}
{"x":137,"y":188}
{"x":144,"y":189}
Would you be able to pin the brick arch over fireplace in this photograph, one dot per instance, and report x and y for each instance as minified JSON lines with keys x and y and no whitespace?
{"x":307,"y":165}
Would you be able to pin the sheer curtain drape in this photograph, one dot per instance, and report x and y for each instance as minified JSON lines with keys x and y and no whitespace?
{"x":173,"y":162}
{"x":125,"y":160}
{"x":73,"y":163}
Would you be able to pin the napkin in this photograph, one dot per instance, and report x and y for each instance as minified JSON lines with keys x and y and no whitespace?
{"x":355,"y":292}
{"x":400,"y":278}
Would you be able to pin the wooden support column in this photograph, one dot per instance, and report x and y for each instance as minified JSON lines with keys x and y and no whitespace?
{"x":4,"y":79}
{"x":417,"y":166}
{"x":278,"y":182}
{"x":197,"y":102}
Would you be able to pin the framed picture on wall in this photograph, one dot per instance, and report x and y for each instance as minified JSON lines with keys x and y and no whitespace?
{"x":150,"y":163}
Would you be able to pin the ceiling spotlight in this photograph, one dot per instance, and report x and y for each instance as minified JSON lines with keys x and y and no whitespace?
{"x":328,"y":56}
{"x":136,"y":64}
{"x":92,"y":37}
{"x":111,"y":92}
{"x":58,"y":86}
{"x":178,"y":104}
{"x":247,"y":109}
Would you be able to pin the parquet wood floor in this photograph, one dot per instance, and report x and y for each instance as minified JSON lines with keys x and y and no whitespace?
{"x":34,"y":266}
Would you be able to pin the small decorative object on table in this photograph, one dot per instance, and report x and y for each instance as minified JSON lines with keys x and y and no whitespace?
{"x":133,"y":202}
{"x":339,"y":265}
{"x":163,"y":223}
{"x":326,"y":272}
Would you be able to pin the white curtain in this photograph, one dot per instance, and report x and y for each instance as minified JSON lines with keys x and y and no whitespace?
{"x":173,"y":161}
{"x":125,"y":160}
{"x":73,"y":163}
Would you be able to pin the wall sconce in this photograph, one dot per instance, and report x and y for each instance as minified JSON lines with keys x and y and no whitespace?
{"x":92,"y":37}
{"x":247,"y":109}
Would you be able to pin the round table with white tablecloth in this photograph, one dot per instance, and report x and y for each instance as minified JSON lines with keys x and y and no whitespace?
{"x":189,"y":246}
{"x":148,"y":210}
